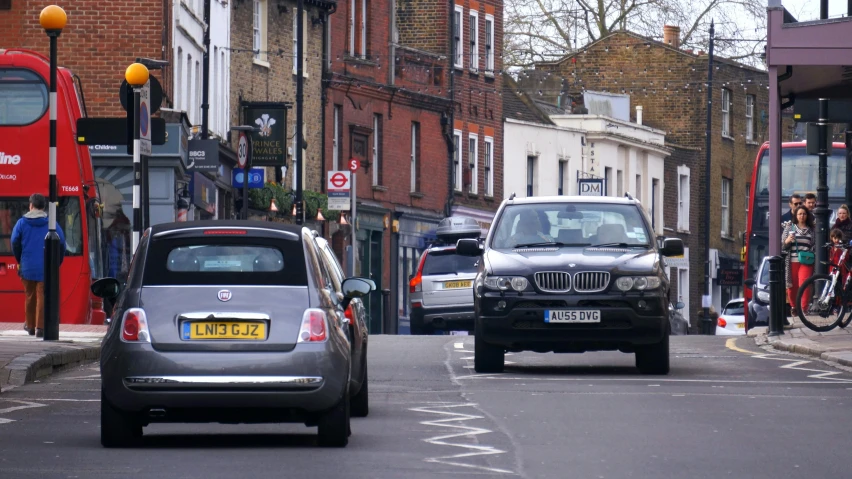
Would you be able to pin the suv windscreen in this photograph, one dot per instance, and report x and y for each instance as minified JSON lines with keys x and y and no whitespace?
{"x":225,"y":261}
{"x":437,"y":263}
{"x":580,"y":224}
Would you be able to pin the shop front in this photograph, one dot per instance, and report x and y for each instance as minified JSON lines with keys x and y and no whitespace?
{"x":210,"y":191}
{"x":414,"y":231}
{"x":371,"y":223}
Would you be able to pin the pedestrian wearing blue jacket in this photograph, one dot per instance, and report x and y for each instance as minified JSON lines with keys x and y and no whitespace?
{"x":28,"y":247}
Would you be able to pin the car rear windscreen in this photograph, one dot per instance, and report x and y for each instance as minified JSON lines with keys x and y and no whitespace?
{"x":225,"y":261}
{"x":448,"y":264}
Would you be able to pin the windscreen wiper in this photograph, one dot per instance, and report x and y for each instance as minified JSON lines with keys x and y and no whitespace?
{"x":556,"y":244}
{"x":620,"y":244}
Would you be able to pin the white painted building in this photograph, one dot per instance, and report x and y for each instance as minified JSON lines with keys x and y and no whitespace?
{"x":188,"y":43}
{"x":542,"y":159}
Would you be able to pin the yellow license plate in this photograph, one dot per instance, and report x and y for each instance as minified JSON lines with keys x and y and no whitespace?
{"x":741,"y":326}
{"x":457,"y":284}
{"x":223,"y":330}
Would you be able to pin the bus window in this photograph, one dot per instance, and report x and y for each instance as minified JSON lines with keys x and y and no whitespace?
{"x":23,"y":97}
{"x":67,"y":216}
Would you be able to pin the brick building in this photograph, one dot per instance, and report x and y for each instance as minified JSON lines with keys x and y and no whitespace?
{"x":671,"y":85}
{"x":263,"y":81}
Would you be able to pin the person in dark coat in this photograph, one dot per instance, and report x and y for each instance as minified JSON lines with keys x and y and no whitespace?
{"x":796,"y":201}
{"x":844,"y":223}
{"x":28,"y":247}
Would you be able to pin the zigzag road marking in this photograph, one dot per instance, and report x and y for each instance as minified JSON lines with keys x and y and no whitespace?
{"x":794,"y":363}
{"x":25,"y":405}
{"x":452,"y":421}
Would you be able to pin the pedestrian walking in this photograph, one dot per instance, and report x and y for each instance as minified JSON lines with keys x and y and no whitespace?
{"x":796,"y":200}
{"x":798,"y":242}
{"x":810,"y":202}
{"x":843,"y":223}
{"x":28,"y":239}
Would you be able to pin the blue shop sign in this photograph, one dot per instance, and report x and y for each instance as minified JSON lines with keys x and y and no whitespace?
{"x":255,"y":175}
{"x":203,"y":192}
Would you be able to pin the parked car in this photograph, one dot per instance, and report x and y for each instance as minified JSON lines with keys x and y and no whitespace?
{"x":732,"y":320}
{"x":758,"y":307}
{"x":571,"y":274}
{"x":231,"y":322}
{"x":679,"y":325}
{"x":441,"y":291}
{"x":356,"y":318}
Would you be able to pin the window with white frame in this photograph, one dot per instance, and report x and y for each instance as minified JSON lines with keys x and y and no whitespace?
{"x":531,"y":175}
{"x":749,"y":134}
{"x":474,"y":40}
{"x":489,"y":166}
{"x":489,"y":43}
{"x":560,"y":188}
{"x":726,"y":112}
{"x":415,"y":154}
{"x":726,"y":207}
{"x":259,"y":30}
{"x":473,"y":159}
{"x":458,"y":36}
{"x":457,"y":160}
{"x":683,"y":198}
{"x":377,"y":149}
{"x":358,"y":28}
{"x":296,"y":45}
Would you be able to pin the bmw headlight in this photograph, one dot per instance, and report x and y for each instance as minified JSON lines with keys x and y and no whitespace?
{"x":638,"y":283}
{"x":763,"y":296}
{"x":504,"y":283}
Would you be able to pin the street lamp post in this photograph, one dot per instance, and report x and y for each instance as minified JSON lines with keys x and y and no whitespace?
{"x":53,"y":20}
{"x":136,"y":76}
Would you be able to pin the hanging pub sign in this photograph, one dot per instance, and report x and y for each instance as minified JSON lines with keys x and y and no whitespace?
{"x":269,"y":141}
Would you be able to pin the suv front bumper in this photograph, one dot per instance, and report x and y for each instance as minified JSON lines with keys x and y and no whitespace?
{"x":519,"y":325}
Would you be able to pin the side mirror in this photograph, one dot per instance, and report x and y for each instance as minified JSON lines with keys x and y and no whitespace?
{"x":679,"y":305}
{"x":108,"y":288}
{"x":672,"y":247}
{"x":357,"y":287}
{"x":469,"y":247}
{"x":750,"y":283}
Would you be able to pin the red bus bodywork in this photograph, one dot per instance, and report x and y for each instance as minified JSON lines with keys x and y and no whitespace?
{"x":27,"y":173}
{"x":753,"y":210}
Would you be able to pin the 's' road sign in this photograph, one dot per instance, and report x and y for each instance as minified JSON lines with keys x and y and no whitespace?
{"x":353,"y":164}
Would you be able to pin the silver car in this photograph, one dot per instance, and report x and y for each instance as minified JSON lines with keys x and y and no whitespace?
{"x":230,"y":322}
{"x":441,"y":291}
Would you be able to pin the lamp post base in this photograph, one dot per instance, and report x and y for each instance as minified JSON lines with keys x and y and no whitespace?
{"x":51,"y":286}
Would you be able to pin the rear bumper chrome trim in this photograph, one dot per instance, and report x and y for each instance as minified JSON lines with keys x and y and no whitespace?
{"x":223,"y":382}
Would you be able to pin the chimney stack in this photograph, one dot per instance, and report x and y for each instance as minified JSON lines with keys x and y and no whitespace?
{"x":671,"y":36}
{"x":639,"y":115}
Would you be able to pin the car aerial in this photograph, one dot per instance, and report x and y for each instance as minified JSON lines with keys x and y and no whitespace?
{"x":571,"y":274}
{"x":732,"y":320}
{"x":356,"y":318}
{"x":230,"y":322}
{"x":679,"y":325}
{"x":441,"y":291}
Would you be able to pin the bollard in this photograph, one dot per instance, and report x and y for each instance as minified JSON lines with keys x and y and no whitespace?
{"x":390,"y":326}
{"x":777,"y":300}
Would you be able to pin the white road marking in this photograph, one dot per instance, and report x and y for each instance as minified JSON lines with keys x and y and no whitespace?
{"x":62,"y":400}
{"x":715,"y":381}
{"x":92,"y":377}
{"x":465,"y":431}
{"x":25,"y":405}
{"x":794,"y":363}
{"x":459,"y":345}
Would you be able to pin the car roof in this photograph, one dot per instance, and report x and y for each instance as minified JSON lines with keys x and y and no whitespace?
{"x":225,"y":224}
{"x":442,"y":247}
{"x":616,"y":200}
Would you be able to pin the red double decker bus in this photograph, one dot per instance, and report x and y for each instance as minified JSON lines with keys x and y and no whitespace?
{"x":799,"y":174}
{"x":24,"y":139}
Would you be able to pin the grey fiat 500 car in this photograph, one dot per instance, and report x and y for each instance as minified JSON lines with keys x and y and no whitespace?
{"x":230,"y":322}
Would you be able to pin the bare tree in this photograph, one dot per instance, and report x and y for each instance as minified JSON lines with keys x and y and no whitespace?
{"x":545,"y":30}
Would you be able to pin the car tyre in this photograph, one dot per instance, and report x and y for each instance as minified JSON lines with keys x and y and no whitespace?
{"x":333,"y":427}
{"x":118,"y":429}
{"x":360,"y":406}
{"x":654,"y":359}
{"x":487,"y":358}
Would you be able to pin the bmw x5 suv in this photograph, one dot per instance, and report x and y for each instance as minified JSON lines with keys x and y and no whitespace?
{"x":571,"y":274}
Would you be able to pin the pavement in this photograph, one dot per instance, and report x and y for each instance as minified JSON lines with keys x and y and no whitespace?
{"x":834,"y":346}
{"x":25,"y":358}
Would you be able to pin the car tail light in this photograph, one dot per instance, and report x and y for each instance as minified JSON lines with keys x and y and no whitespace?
{"x":314,"y":327}
{"x":349,"y":314}
{"x":416,"y":283}
{"x":134,"y":326}
{"x":722,"y":322}
{"x":225,"y":232}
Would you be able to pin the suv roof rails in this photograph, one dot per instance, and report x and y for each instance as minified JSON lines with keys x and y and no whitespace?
{"x":627,"y":195}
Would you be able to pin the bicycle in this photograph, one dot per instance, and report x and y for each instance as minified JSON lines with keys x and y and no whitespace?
{"x":828,"y":309}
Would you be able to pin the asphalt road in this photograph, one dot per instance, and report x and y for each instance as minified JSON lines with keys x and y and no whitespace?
{"x":727,"y":409}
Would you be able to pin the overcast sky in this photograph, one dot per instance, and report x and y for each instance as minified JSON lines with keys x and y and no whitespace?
{"x":805,"y":10}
